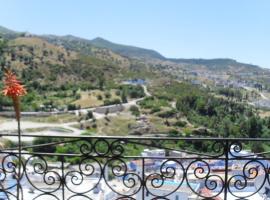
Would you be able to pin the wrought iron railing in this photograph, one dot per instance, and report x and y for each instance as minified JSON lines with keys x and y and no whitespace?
{"x":110,"y":168}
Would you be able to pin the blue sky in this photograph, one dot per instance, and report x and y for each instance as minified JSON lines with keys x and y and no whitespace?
{"x":238,"y":29}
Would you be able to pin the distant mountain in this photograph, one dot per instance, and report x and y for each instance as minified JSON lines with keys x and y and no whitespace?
{"x":49,"y":61}
{"x":130,"y":56}
{"x":4,"y":30}
{"x":7,"y":33}
{"x":85,"y":46}
{"x":128,"y":51}
{"x":217,"y":64}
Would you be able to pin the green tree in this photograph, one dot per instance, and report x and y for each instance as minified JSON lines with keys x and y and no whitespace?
{"x":3,"y":46}
{"x":124,"y":97}
{"x":89,"y":115}
{"x":254,"y":127}
{"x":101,"y":82}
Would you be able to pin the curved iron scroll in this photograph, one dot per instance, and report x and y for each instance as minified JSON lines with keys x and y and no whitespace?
{"x":137,"y":168}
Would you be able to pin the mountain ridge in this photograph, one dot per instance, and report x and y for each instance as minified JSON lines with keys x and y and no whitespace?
{"x":85,"y":46}
{"x":127,"y":50}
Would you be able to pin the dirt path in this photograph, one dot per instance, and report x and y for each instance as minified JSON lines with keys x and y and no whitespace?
{"x":10,"y":126}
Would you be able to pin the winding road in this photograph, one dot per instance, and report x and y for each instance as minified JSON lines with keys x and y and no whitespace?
{"x":50,"y":129}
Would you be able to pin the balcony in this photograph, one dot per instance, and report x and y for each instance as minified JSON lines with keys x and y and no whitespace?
{"x":108,"y":168}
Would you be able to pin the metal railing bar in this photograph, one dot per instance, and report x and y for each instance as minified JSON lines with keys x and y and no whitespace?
{"x":148,"y":138}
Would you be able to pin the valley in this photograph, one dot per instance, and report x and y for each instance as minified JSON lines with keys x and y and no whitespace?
{"x":96,"y":87}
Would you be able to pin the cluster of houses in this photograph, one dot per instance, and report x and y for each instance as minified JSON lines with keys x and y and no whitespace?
{"x":220,"y":80}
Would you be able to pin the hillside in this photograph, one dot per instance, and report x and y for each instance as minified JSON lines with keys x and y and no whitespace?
{"x":49,"y":51}
{"x":68,"y":73}
{"x":218,"y":64}
{"x":128,"y":51}
{"x":85,"y":47}
{"x":51,"y":66}
{"x":151,"y":57}
{"x":7,"y":33}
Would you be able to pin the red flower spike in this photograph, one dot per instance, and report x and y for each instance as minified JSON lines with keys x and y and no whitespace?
{"x":13,"y":89}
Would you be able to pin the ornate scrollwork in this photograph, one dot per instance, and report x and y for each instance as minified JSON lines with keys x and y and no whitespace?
{"x":41,"y":174}
{"x":102,"y":165}
{"x":89,"y":173}
{"x":86,"y":148}
{"x":218,"y":148}
{"x":101,"y":147}
{"x":129,"y":183}
{"x":235,"y":148}
{"x":169,"y":171}
{"x":202,"y":172}
{"x":9,"y":172}
{"x":11,"y":176}
{"x":117,"y":148}
{"x":252,"y":171}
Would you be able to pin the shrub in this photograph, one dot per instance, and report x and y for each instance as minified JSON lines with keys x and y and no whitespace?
{"x":180,"y":123}
{"x":111,"y":102}
{"x":117,"y":93}
{"x":133,"y":91}
{"x":174,"y":133}
{"x":155,"y":109}
{"x":89,"y":115}
{"x":71,"y":107}
{"x":107,"y":95}
{"x":187,"y":131}
{"x":124,"y":97}
{"x":44,"y":140}
{"x":151,"y":102}
{"x":9,"y":144}
{"x":134,"y":110}
{"x":99,"y":97}
{"x":167,"y":114}
{"x":78,"y":96}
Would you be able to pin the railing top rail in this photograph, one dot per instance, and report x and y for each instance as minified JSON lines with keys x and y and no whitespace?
{"x":143,"y":137}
